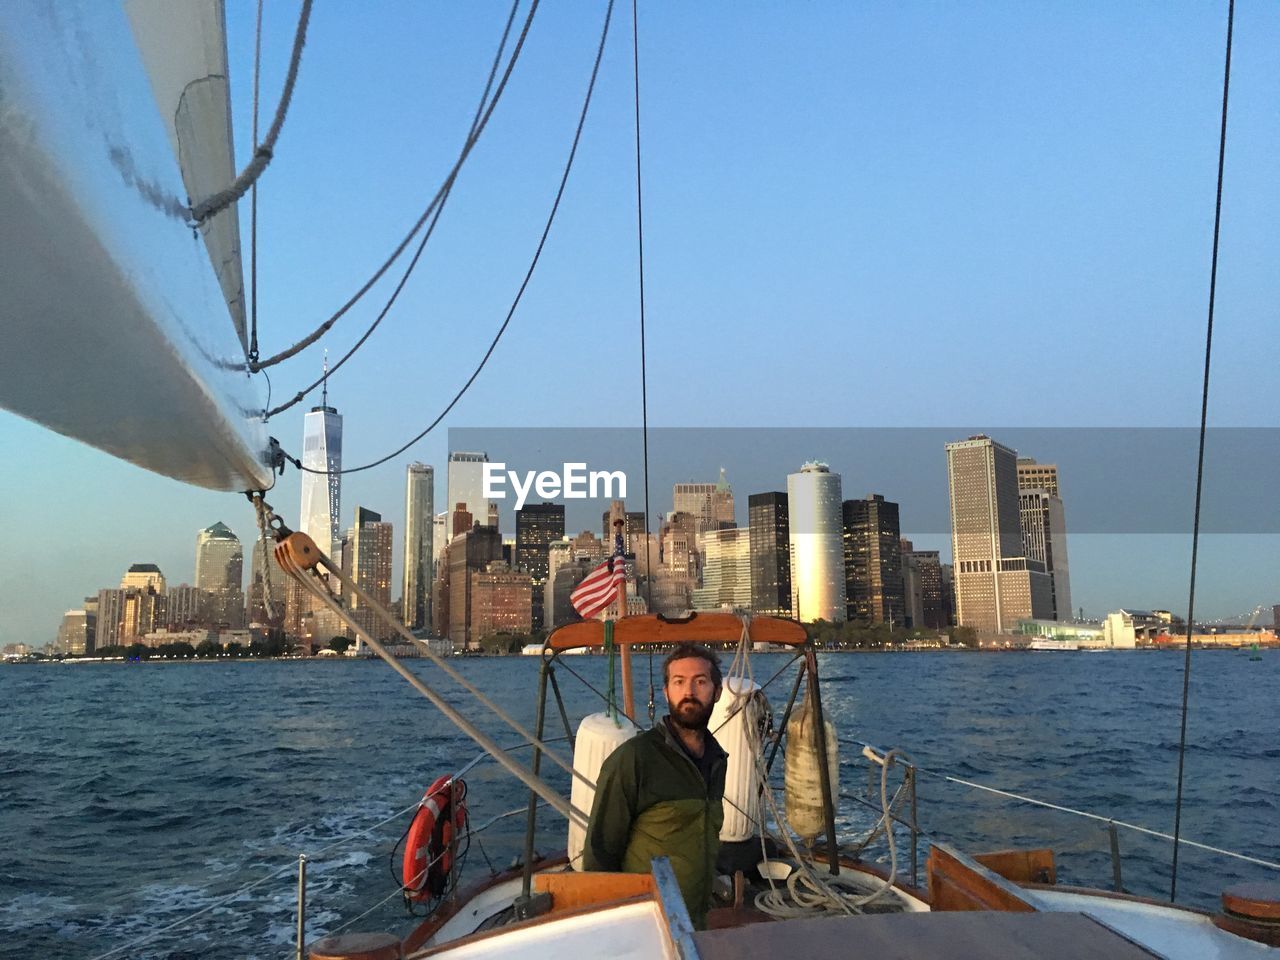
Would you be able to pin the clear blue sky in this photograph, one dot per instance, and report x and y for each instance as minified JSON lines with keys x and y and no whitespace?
{"x":917,"y":214}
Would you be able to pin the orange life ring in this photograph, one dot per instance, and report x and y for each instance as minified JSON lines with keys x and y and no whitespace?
{"x":427,"y":860}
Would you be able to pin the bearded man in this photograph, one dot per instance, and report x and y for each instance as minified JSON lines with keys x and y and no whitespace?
{"x":661,"y":793}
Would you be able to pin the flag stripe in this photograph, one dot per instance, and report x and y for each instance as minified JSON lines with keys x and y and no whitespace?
{"x":599,"y":587}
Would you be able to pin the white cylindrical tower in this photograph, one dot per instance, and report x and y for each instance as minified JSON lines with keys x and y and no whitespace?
{"x":816,"y":530}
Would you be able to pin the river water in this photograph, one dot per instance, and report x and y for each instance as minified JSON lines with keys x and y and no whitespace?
{"x":134,"y":795}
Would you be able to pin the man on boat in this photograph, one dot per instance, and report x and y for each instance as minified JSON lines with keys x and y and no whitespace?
{"x":661,"y":792}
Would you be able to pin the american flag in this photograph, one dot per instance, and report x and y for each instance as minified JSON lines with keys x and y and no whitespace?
{"x":600,"y":587}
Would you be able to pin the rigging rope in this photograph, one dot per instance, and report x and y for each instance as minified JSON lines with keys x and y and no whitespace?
{"x":823,"y":893}
{"x":264,"y":151}
{"x":537,"y":255}
{"x":253,"y":198}
{"x":644,"y":378}
{"x":1204,"y":414}
{"x":438,"y":202}
{"x":317,"y":584}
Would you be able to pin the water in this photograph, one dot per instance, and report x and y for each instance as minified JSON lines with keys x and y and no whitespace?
{"x":134,"y":795}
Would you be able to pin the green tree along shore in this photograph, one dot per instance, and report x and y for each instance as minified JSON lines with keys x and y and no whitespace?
{"x":206,"y":650}
{"x":857,"y":635}
{"x":850,"y":635}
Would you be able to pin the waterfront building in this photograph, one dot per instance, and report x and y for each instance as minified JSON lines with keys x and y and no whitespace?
{"x":143,"y":611}
{"x":996,"y":583}
{"x":922,"y":588}
{"x":501,"y":601}
{"x":187,"y":607}
{"x":1044,"y":529}
{"x":468,"y":554}
{"x":770,"y":554}
{"x":538,"y":527}
{"x":76,"y":633}
{"x":815,"y":541}
{"x":419,"y":541}
{"x":1038,"y":476}
{"x":143,"y":576}
{"x":460,"y":518}
{"x":948,"y":594}
{"x":439,"y":539}
{"x":1128,"y":628}
{"x":321,"y":511}
{"x":587,"y":545}
{"x":110,"y":617}
{"x":873,"y":561}
{"x":557,"y":608}
{"x":711,"y":504}
{"x":220,"y":573}
{"x":726,"y":570}
{"x":1089,"y":636}
{"x":632,"y":525}
{"x":466,"y":489}
{"x":368,"y":562}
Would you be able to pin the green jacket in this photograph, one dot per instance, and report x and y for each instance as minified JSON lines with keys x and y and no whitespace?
{"x":650,"y":801}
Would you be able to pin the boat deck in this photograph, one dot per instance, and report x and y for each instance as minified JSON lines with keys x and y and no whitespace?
{"x":970,"y":935}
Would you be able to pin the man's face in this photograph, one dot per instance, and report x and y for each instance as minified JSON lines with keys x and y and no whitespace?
{"x":691,"y":693}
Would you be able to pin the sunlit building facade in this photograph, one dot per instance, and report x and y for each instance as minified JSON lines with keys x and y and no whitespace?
{"x":815,"y":541}
{"x":726,"y":570}
{"x":322,"y":492}
{"x":466,"y":487}
{"x":996,"y":583}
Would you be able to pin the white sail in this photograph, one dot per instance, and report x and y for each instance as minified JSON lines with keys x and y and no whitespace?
{"x":113,"y":324}
{"x":184,"y":49}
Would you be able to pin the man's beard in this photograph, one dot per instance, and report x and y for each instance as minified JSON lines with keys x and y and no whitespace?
{"x":692,"y":714}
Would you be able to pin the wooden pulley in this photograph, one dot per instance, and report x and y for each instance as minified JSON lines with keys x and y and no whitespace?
{"x":297,"y":551}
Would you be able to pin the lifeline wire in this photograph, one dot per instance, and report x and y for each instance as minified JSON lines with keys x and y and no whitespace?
{"x":264,"y":151}
{"x":1078,"y":813}
{"x":564,"y":180}
{"x":1204,"y":414}
{"x":438,"y":202}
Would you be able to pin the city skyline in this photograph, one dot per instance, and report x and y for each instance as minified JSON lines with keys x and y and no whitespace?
{"x":973,"y":186}
{"x":1045,"y":475}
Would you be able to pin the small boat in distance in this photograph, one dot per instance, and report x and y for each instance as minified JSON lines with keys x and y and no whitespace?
{"x":1053,"y":643}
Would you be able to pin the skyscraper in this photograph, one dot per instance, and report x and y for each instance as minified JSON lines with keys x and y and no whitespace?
{"x":419,"y":544}
{"x":538,"y":526}
{"x":726,"y":570}
{"x":466,"y":486}
{"x":370,"y":554}
{"x":322,"y":492}
{"x":110,"y":617}
{"x":142,"y":576}
{"x":815,"y":539}
{"x":710,"y":503}
{"x":996,"y":583}
{"x":922,"y":588}
{"x":1044,"y":528}
{"x":76,"y":633}
{"x":873,"y":561}
{"x":770,"y":554}
{"x":220,"y":573}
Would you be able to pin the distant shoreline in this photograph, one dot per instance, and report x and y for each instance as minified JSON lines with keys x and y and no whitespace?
{"x":494,"y":656}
